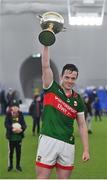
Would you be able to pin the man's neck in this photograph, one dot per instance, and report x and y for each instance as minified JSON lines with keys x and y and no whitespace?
{"x":68,"y":92}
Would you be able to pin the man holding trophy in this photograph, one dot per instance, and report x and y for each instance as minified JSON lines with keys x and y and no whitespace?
{"x":62,"y":105}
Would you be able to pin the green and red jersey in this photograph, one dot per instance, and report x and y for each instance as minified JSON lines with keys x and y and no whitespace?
{"x":60,"y":112}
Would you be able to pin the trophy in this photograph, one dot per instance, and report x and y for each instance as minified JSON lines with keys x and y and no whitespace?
{"x":51,"y":24}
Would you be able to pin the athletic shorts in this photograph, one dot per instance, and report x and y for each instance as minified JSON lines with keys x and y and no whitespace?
{"x":55,"y":153}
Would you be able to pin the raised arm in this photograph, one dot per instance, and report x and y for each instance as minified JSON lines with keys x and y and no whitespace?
{"x":47,"y":74}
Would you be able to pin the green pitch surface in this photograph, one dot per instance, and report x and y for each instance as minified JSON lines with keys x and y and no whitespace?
{"x":96,"y":168}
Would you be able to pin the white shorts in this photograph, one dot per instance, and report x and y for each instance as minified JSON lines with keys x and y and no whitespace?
{"x":55,"y":153}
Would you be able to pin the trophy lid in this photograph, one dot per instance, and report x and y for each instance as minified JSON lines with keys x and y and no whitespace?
{"x":53,"y":16}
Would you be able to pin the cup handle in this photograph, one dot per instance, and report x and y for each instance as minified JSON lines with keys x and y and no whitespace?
{"x":64,"y":29}
{"x":39,"y":16}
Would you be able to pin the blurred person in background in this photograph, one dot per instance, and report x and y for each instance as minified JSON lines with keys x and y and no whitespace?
{"x":35,"y":111}
{"x":88,"y":113}
{"x":3,"y":102}
{"x":97,"y":109}
{"x":15,"y":126}
{"x":9,"y":96}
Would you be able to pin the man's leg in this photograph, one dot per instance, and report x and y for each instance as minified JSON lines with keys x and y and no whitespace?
{"x":65,"y":161}
{"x":42,"y":173}
{"x":46,"y":156}
{"x":63,"y":174}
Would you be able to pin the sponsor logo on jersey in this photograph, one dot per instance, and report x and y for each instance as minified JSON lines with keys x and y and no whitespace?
{"x":56,"y":102}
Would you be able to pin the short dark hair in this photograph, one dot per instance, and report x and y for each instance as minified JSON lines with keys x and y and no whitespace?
{"x":70,"y":67}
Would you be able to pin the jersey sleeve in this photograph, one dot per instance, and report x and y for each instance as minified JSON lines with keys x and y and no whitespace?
{"x":81,"y":105}
{"x":51,"y":87}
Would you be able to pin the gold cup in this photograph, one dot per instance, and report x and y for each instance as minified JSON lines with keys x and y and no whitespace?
{"x":51,"y":23}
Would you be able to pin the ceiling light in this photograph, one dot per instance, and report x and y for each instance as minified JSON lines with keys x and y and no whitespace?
{"x":88,"y":1}
{"x":80,"y":14}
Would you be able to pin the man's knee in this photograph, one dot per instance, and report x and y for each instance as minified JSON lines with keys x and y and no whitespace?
{"x":42,"y":173}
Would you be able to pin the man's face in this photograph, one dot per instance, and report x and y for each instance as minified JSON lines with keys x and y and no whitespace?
{"x":68,"y":79}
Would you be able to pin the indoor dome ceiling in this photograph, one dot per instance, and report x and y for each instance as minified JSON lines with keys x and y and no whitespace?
{"x":35,"y":6}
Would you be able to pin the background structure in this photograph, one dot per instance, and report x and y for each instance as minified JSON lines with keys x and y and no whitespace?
{"x":19,"y":29}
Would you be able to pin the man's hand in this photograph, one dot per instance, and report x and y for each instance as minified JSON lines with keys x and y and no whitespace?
{"x":85,"y":156}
